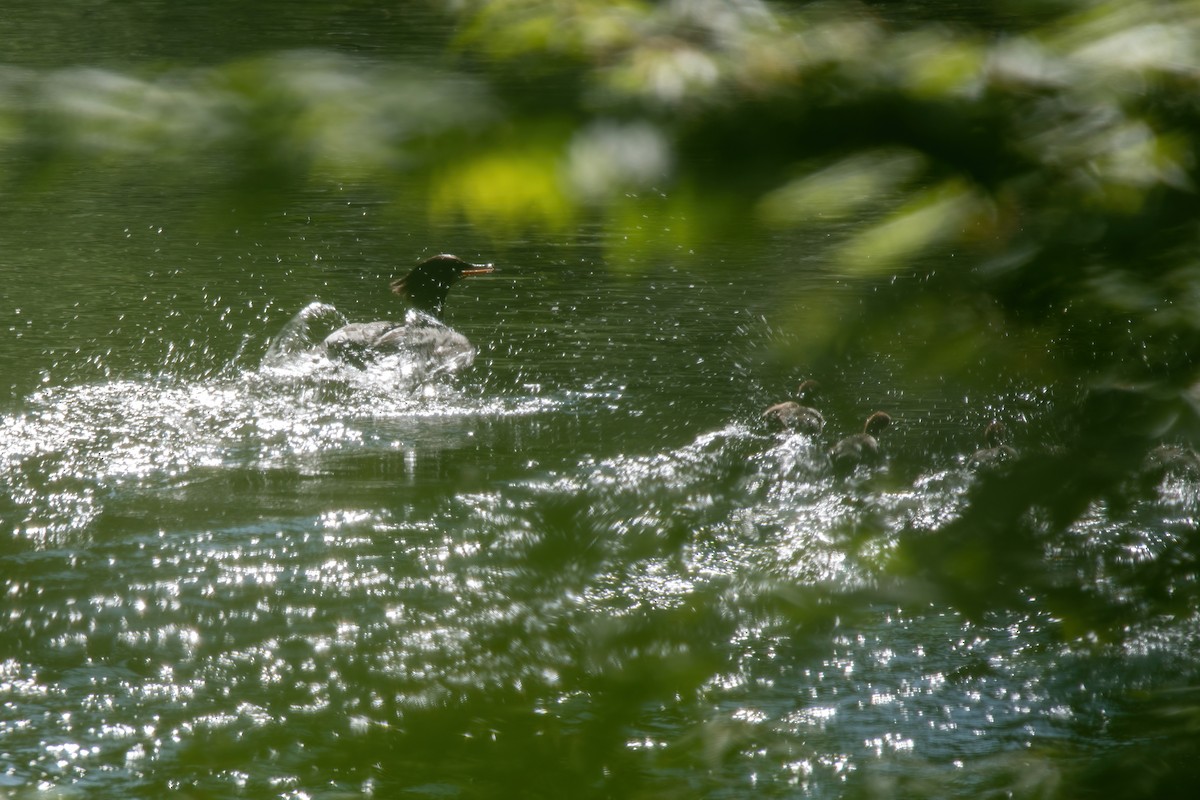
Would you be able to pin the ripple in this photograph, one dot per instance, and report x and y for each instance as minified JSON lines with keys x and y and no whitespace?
{"x":72,"y":447}
{"x":718,"y":591}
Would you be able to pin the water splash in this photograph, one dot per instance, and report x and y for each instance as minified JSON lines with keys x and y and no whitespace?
{"x":411,"y":356}
{"x":73,"y":446}
{"x":297,"y":336}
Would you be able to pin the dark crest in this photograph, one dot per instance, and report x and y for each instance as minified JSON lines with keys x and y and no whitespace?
{"x":429,"y":282}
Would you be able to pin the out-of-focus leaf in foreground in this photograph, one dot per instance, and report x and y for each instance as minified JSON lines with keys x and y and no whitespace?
{"x":1013,"y":191}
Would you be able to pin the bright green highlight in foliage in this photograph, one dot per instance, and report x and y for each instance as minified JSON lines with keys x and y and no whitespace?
{"x":840,"y":189}
{"x":931,"y":217}
{"x":503,"y":189}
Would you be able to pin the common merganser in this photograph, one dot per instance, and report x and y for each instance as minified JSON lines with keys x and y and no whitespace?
{"x":422,"y":333}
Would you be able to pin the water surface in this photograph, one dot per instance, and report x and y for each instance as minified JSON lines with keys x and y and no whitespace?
{"x":234,"y":568}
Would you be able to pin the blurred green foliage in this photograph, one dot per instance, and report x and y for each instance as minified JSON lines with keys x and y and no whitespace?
{"x":1047,"y":172}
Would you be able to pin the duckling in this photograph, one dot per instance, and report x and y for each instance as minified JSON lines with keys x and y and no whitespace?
{"x":1167,"y":460}
{"x":861,"y":448}
{"x":997,"y":453}
{"x":792,"y":415}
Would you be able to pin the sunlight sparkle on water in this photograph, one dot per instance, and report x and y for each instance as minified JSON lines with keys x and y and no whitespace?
{"x":319,"y":550}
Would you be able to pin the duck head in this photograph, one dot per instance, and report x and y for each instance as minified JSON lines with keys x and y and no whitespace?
{"x":995,"y":434}
{"x":426,"y":286}
{"x":876,"y":423}
{"x":808,"y":390}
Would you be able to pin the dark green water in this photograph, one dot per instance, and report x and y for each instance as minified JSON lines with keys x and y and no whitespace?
{"x":580,"y":566}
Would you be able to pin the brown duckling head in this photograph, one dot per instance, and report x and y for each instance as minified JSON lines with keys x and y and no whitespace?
{"x":808,"y":390}
{"x":877,"y":423}
{"x":995,"y":434}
